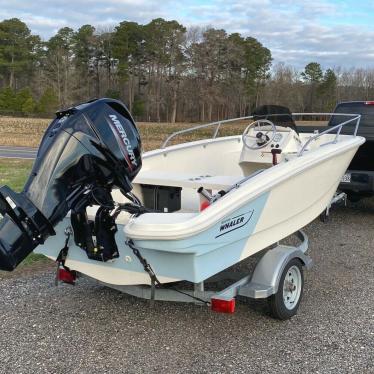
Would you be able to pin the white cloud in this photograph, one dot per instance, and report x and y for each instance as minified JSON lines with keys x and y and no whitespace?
{"x":296,"y":31}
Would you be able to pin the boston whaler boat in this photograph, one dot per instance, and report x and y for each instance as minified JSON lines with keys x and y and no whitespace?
{"x":187,"y":212}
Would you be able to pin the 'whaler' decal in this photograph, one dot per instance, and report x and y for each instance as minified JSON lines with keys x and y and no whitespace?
{"x":234,"y":223}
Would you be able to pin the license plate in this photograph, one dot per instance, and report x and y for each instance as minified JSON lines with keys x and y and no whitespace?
{"x":346,"y":178}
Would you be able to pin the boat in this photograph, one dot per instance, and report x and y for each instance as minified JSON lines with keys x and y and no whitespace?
{"x":183,"y":212}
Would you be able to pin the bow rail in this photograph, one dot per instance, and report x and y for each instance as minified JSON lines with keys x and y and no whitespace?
{"x":217,"y":125}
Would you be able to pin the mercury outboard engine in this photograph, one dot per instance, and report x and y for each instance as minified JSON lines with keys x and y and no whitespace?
{"x":85,"y":152}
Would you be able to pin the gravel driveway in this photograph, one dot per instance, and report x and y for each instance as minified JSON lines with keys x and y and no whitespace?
{"x":92,"y":329}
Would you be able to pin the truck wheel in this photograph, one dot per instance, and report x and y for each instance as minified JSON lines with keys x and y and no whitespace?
{"x":324,"y":217}
{"x":354,"y":197}
{"x":285,"y":303}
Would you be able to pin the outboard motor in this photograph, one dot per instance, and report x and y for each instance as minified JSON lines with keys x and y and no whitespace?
{"x":85,"y":152}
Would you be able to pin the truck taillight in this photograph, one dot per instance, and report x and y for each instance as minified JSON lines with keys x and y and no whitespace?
{"x":369,"y":102}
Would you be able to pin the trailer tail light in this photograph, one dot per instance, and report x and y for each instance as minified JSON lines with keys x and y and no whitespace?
{"x":223,"y":306}
{"x":66,"y":276}
{"x":369,"y":102}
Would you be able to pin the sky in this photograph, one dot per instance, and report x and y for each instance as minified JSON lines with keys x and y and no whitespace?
{"x":332,"y":32}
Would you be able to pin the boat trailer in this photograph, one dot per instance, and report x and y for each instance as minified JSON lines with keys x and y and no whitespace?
{"x":277,"y":276}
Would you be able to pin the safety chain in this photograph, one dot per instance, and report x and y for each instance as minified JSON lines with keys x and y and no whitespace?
{"x":147,"y":267}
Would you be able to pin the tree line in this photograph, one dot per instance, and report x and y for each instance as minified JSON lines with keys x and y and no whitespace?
{"x":163,"y":72}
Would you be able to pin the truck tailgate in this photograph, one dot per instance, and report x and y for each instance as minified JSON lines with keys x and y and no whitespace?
{"x":364,"y":158}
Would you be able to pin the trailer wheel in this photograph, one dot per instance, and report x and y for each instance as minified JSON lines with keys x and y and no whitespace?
{"x":285,"y":303}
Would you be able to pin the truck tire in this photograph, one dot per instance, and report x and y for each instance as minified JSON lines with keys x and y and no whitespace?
{"x":354,"y":197}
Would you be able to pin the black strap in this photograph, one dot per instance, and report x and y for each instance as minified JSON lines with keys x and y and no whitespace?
{"x":136,"y":209}
{"x":60,"y":260}
{"x":64,"y":251}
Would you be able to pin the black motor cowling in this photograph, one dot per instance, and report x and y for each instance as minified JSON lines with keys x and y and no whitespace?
{"x":86,"y":151}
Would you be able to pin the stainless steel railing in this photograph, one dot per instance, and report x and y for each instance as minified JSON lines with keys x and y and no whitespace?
{"x":355,"y":117}
{"x":217,"y":125}
{"x":194,"y":128}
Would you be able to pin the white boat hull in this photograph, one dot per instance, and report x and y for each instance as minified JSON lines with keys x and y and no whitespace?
{"x":194,"y":246}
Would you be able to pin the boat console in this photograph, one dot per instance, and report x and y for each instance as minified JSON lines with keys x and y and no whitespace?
{"x":266,"y":145}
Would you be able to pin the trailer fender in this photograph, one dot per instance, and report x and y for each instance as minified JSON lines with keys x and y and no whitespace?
{"x":265,"y":278}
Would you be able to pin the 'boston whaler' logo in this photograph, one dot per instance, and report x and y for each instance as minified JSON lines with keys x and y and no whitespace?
{"x":234,"y":223}
{"x":122,"y":133}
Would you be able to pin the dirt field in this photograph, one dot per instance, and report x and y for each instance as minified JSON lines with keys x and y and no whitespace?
{"x":27,"y":132}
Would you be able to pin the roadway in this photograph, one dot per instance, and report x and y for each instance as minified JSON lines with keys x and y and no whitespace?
{"x":17,"y":152}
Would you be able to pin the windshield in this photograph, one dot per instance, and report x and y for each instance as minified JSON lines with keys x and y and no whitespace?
{"x":366,"y":111}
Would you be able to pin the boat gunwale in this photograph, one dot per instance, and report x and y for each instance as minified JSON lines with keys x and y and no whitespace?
{"x":209,"y":217}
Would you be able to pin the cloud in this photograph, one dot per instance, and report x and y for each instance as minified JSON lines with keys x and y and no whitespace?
{"x":296,"y":31}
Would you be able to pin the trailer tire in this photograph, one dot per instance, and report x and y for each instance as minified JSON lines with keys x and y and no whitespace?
{"x":285,"y":302}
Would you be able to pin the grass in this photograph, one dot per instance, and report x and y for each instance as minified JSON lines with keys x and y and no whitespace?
{"x":14,"y":172}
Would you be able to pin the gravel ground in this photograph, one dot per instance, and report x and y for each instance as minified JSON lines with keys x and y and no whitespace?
{"x":92,"y":329}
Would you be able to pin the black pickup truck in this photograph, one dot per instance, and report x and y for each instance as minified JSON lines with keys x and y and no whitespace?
{"x":358,"y":181}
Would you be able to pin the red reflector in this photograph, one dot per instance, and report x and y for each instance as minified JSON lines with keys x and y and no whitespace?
{"x":223,"y":306}
{"x":369,"y":102}
{"x":204,"y":204}
{"x":66,"y":276}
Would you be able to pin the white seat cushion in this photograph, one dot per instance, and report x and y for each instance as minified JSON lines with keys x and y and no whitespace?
{"x":157,"y":178}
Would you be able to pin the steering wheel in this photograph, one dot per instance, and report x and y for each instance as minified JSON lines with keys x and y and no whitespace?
{"x":262,"y":139}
